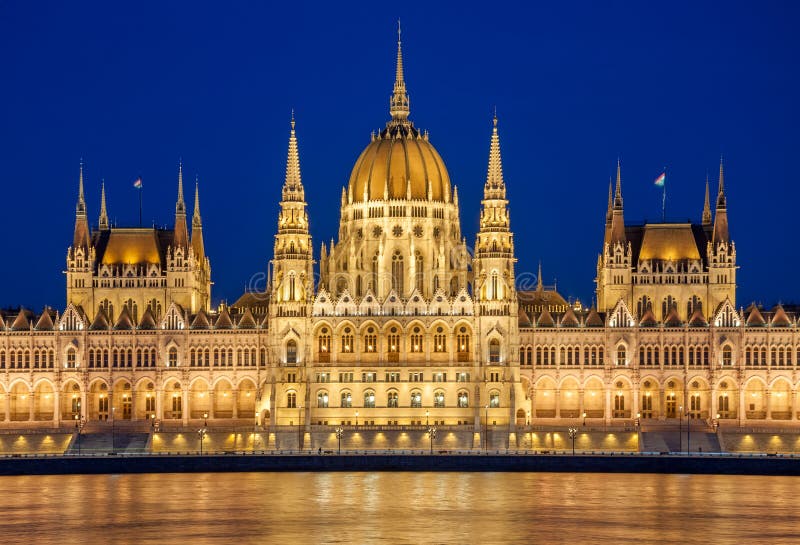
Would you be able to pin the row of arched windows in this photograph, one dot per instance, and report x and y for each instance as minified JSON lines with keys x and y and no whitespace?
{"x":223,"y":357}
{"x":778,"y":356}
{"x":40,"y":358}
{"x":350,"y":343}
{"x":324,"y":400}
{"x":546,"y":356}
{"x":102,"y":358}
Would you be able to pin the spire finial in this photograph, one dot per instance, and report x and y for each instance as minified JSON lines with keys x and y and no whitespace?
{"x":293,"y":179}
{"x":610,"y":200}
{"x":102,"y":222}
{"x":539,"y":285}
{"x":494,"y":175}
{"x":399,"y":104}
{"x":721,"y":192}
{"x":618,"y":192}
{"x":81,"y":198}
{"x":196,"y":219}
{"x":180,"y":205}
{"x":707,"y":206}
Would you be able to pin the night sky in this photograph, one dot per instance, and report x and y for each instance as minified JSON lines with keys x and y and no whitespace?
{"x":132,"y":87}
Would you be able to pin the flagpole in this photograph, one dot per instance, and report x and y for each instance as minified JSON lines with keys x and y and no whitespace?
{"x":140,"y":207}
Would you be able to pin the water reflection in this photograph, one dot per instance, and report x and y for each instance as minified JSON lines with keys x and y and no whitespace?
{"x":398,"y":508}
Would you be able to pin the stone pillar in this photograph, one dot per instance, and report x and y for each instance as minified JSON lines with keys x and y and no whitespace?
{"x":235,"y":395}
{"x":558,"y":403}
{"x":581,"y":406}
{"x":768,"y":404}
{"x":607,"y":409}
{"x":133,"y":403}
{"x":159,"y":404}
{"x":185,"y":406}
{"x":85,"y":404}
{"x":636,"y":401}
{"x":8,"y":406}
{"x":56,"y":408}
{"x":211,"y":404}
{"x":533,"y":405}
{"x":713,"y":405}
{"x":662,"y":404}
{"x":742,"y":402}
{"x":793,"y":405}
{"x":32,"y":407}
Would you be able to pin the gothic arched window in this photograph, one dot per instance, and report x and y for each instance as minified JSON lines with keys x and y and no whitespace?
{"x":397,"y":273}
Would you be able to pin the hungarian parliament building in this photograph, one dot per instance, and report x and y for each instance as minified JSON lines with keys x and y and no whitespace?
{"x":398,"y":322}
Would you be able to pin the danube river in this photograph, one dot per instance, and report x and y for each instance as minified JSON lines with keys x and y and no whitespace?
{"x":395,"y":508}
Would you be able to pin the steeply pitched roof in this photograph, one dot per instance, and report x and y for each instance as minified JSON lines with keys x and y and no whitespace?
{"x":21,"y":322}
{"x":223,"y":320}
{"x":100,"y":322}
{"x":569,"y":319}
{"x":124,"y":322}
{"x":593,"y":319}
{"x":148,"y":321}
{"x":697,"y":319}
{"x":755,"y":318}
{"x":779,"y":318}
{"x":648,"y":319}
{"x":545,"y":319}
{"x":672,"y":319}
{"x":45,"y":322}
{"x":200,"y":321}
{"x":247,"y":321}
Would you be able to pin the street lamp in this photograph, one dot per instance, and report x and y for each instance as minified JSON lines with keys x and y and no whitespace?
{"x":202,"y":433}
{"x":432,"y":435}
{"x":427,"y":413}
{"x":356,"y":418}
{"x":680,"y":428}
{"x":584,"y":419}
{"x":530,"y":435}
{"x":113,"y":411}
{"x":716,"y":423}
{"x":205,"y":420}
{"x":339,"y":433}
{"x":572,"y":433}
{"x":638,"y":421}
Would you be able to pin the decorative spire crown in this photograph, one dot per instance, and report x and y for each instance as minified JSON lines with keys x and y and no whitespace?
{"x":721,"y":202}
{"x":102,"y":223}
{"x":80,"y":207}
{"x":618,"y":192}
{"x":293,"y":180}
{"x":494,"y":176}
{"x":707,"y":206}
{"x":399,"y":103}
{"x":196,"y":219}
{"x":180,"y":205}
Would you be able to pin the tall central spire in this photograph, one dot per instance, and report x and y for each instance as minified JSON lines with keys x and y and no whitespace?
{"x":494,"y":175}
{"x":293,"y":180}
{"x":398,"y":106}
{"x":102,"y":222}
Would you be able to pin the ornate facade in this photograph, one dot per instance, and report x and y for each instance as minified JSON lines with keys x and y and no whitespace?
{"x":404,"y":326}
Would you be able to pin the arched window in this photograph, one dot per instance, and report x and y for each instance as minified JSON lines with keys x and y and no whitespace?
{"x":324,"y":341}
{"x":347,"y":341}
{"x":291,"y":400}
{"x":463,"y":399}
{"x":347,"y":400}
{"x":727,"y":356}
{"x":494,"y":293}
{"x":374,"y":280}
{"x":291,"y":351}
{"x":397,"y":273}
{"x":369,"y":399}
{"x":621,"y":356}
{"x":463,"y":341}
{"x":370,"y":341}
{"x":438,"y":399}
{"x":393,"y":344}
{"x":71,"y":362}
{"x":416,"y":399}
{"x":666,"y":306}
{"x":440,"y":340}
{"x":392,"y":400}
{"x":291,"y":286}
{"x":642,"y":305}
{"x":494,"y":351}
{"x":322,"y":399}
{"x":416,"y":340}
{"x":172,"y":360}
{"x":494,"y":399}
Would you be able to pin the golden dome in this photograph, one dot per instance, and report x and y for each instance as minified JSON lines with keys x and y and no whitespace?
{"x":403,"y":161}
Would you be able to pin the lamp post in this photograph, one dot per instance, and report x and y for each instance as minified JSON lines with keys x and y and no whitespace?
{"x":638,"y":421}
{"x":78,"y":431}
{"x":688,"y":431}
{"x":680,"y":428}
{"x":339,"y":433}
{"x":427,"y":413}
{"x":572,"y":433}
{"x":584,"y":419}
{"x":255,"y":430}
{"x":716,"y":423}
{"x":356,"y":418}
{"x":113,"y":411}
{"x":530,"y":435}
{"x":432,"y":435}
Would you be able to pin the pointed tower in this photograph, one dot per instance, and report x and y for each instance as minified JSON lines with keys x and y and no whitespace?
{"x":102,"y":222}
{"x":292,"y":282}
{"x":81,"y":238}
{"x":197,"y":226}
{"x":721,"y":253}
{"x":707,"y":207}
{"x":181,"y":238}
{"x":614,"y":266}
{"x":81,"y":255}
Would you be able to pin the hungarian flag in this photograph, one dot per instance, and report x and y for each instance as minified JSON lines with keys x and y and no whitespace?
{"x":661,"y":179}
{"x":138,"y":183}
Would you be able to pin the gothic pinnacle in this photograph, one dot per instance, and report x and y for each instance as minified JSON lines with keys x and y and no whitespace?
{"x":102,"y":222}
{"x":399,"y":104}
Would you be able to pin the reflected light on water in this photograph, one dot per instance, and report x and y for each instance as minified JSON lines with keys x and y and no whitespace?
{"x":398,"y":508}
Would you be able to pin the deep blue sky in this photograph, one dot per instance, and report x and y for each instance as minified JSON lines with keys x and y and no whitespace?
{"x":131,"y":87}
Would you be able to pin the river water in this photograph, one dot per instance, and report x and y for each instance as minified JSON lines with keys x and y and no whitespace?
{"x":397,"y":508}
